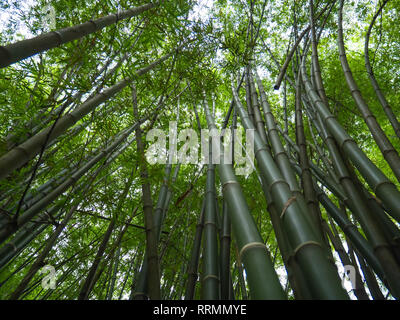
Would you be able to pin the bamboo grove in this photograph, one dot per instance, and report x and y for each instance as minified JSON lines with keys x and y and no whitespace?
{"x":85,"y":215}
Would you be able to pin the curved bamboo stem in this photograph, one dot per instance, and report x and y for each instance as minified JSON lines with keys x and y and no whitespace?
{"x":381,"y":97}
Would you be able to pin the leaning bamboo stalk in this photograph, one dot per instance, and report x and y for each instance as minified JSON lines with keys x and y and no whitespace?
{"x":290,"y":54}
{"x":43,"y":254}
{"x":281,"y":157}
{"x":388,"y":151}
{"x":352,"y":232}
{"x":87,"y":285}
{"x":225,"y":253}
{"x":295,"y":275}
{"x":354,"y":196}
{"x":381,"y":97}
{"x":40,"y":205}
{"x":23,"y":49}
{"x":359,"y":289}
{"x":113,"y":247}
{"x":378,"y":182}
{"x":370,"y":279}
{"x":306,"y":180}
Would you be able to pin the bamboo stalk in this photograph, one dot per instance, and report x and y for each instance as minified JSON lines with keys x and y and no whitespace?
{"x":23,"y":49}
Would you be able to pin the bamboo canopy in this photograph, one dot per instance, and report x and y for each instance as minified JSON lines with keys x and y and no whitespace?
{"x":219,"y":150}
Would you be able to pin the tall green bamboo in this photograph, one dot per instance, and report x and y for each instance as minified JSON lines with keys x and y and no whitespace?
{"x":23,"y":49}
{"x":282,"y":159}
{"x":262,"y":279}
{"x":87,"y":284}
{"x":324,"y":280}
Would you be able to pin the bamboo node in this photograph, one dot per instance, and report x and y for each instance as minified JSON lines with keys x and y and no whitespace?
{"x":376,"y":187}
{"x":228,"y":182}
{"x":59,"y":35}
{"x":345,"y":141}
{"x":295,"y":251}
{"x":261,"y":149}
{"x":209,"y":222}
{"x":287,"y":204}
{"x":251,"y":245}
{"x":213,"y":276}
{"x":275,"y":182}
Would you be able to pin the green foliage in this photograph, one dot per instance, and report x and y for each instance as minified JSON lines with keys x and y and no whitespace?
{"x":213,"y":51}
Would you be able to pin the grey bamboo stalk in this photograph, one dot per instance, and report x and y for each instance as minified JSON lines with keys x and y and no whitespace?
{"x":381,"y":97}
{"x":23,"y":49}
{"x":262,"y":279}
{"x":31,"y":147}
{"x":388,"y":151}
